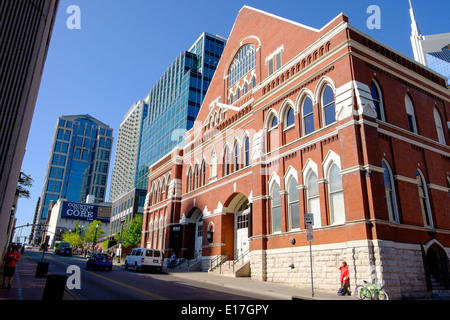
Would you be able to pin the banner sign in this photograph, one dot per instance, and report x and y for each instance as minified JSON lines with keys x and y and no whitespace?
{"x":85,"y":211}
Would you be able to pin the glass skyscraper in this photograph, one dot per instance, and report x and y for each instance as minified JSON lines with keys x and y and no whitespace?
{"x":78,"y":163}
{"x":440,"y":61}
{"x":175,"y":101}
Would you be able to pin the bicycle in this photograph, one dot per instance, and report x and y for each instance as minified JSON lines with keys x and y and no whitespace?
{"x":370,"y":291}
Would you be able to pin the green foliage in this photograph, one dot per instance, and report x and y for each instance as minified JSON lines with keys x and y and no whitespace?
{"x":92,"y":232}
{"x":132,"y":231}
{"x":74,"y":238}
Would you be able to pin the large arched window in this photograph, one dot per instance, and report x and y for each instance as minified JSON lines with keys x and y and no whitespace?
{"x":412,"y":126}
{"x":195,"y":177}
{"x":423,"y":198}
{"x":308,"y":116}
{"x":273,"y":123}
{"x":438,"y":123}
{"x":236,"y":157}
{"x":213,"y":165}
{"x":377,"y":99}
{"x":276,"y":207}
{"x":328,"y":106}
{"x":244,"y":61}
{"x":203,"y":174}
{"x":293,"y":208}
{"x":336,"y":195}
{"x":390,"y":192}
{"x":247,"y":152}
{"x":289,"y":117}
{"x":226,"y":161}
{"x":312,"y":196}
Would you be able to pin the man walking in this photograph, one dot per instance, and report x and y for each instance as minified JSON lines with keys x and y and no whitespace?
{"x":10,"y":259}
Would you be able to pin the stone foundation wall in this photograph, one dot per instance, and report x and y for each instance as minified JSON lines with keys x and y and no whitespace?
{"x":398,"y":266}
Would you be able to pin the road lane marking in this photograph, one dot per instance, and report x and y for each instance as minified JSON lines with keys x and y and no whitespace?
{"x":153,"y":295}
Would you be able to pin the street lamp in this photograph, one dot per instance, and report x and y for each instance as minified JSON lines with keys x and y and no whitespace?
{"x":122,"y":220}
{"x":95,"y":236}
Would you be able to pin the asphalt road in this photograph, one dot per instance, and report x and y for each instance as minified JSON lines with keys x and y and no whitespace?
{"x":121,"y":284}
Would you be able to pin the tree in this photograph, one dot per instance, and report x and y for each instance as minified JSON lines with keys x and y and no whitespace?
{"x":132,"y":231}
{"x":74,"y":238}
{"x":93,"y":232}
{"x":23,"y":184}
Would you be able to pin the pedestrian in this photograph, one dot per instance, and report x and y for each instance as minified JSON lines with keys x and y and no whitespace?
{"x":172,"y":260}
{"x":10,"y":259}
{"x":345,"y":278}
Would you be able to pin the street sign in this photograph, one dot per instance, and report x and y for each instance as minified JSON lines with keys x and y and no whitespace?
{"x":309,"y":219}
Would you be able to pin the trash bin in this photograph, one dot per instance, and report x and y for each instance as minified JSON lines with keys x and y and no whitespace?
{"x":42,"y":269}
{"x":54,"y":287}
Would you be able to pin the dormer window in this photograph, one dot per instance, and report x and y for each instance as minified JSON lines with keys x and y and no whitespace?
{"x":273,"y":61}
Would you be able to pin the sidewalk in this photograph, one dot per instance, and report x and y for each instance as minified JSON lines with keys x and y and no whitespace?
{"x":275,"y":291}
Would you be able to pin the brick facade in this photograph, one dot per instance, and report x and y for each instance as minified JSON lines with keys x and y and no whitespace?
{"x":390,"y":227}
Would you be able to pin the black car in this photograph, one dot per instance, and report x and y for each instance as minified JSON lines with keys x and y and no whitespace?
{"x":99,"y":260}
{"x":66,"y":251}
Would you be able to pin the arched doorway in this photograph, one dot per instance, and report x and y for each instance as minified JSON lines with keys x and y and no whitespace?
{"x":197,"y":219}
{"x":239,"y":207}
{"x":438,"y":265}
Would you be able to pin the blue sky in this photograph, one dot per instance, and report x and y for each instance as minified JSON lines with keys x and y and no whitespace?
{"x":124,"y":46}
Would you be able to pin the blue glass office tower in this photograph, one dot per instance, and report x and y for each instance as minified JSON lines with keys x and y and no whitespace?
{"x":440,"y":61}
{"x":78,"y":163}
{"x":175,"y":101}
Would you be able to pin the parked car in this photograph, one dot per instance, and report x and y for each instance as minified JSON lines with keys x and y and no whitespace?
{"x":142,"y":258}
{"x":99,"y":260}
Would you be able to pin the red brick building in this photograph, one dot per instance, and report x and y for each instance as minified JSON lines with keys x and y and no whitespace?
{"x":330,"y":122}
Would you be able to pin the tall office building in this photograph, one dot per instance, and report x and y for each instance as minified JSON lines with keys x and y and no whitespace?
{"x":25,"y":32}
{"x":127,"y":148}
{"x":175,"y":100}
{"x":78,"y":164}
{"x":433,"y":50}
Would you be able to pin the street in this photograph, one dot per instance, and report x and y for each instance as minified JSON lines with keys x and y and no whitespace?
{"x":121,"y":284}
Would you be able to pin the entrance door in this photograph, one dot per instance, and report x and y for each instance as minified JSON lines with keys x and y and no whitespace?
{"x":241,"y":227}
{"x":199,"y":237}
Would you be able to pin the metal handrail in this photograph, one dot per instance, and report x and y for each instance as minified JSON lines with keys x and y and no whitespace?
{"x":241,"y":257}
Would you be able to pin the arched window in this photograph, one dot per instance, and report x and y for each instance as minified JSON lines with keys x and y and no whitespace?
{"x":155,"y":234}
{"x":213,"y":164}
{"x":312,"y":196}
{"x":195,"y":177}
{"x":424,"y":201}
{"x":276,"y":208}
{"x":412,"y":126}
{"x":289,"y":117}
{"x":328,"y":107}
{"x":273,"y":123}
{"x":238,"y":93}
{"x":308,"y":117}
{"x":438,"y":123}
{"x":448,"y":186}
{"x":203,"y":174}
{"x":236,"y":157}
{"x":336,"y":195}
{"x":253,"y":82}
{"x":245,"y":88}
{"x":377,"y":100}
{"x":293,"y":208}
{"x":189,"y":180}
{"x":247,"y":151}
{"x":231,"y":99}
{"x":390,"y":192}
{"x":244,"y":61}
{"x":160,"y":233}
{"x":226,"y":161}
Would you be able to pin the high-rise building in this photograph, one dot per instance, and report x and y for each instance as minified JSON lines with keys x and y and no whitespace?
{"x":25,"y":32}
{"x":175,"y":100}
{"x":433,"y":50}
{"x":127,"y":148}
{"x":156,"y":124}
{"x":78,"y":164}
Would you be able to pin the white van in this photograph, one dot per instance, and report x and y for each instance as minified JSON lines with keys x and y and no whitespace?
{"x":142,"y":258}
